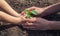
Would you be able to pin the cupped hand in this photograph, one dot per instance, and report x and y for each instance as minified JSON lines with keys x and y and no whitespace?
{"x":31,"y":19}
{"x":37,"y":9}
{"x":39,"y":24}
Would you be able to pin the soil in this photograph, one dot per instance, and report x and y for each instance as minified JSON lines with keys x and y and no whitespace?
{"x":13,"y":30}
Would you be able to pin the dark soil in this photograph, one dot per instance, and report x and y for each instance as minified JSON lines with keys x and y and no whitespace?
{"x":14,"y":30}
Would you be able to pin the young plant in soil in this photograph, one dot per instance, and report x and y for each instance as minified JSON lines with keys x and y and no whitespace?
{"x":30,"y":13}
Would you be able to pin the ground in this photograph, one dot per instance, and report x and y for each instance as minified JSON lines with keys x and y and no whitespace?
{"x":20,"y":5}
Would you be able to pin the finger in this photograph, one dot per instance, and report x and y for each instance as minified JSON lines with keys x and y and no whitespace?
{"x":28,"y":25}
{"x":32,"y":19}
{"x":22,"y":13}
{"x":31,"y":8}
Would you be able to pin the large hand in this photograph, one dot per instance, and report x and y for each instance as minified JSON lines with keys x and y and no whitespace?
{"x":39,"y":24}
{"x":39,"y":11}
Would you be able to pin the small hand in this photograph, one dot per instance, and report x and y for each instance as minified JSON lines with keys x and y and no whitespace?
{"x":32,"y":19}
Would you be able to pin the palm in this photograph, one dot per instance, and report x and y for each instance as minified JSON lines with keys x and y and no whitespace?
{"x":39,"y":24}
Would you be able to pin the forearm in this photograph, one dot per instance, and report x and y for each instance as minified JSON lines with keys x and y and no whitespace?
{"x":48,"y":25}
{"x":51,"y":25}
{"x":50,"y":9}
{"x":55,"y":25}
{"x":52,"y":5}
{"x":9,"y":18}
{"x":8,"y":8}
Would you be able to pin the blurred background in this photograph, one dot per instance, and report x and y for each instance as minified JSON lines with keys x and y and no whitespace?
{"x":6,"y":29}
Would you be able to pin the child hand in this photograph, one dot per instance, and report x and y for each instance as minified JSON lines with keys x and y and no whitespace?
{"x":31,"y":19}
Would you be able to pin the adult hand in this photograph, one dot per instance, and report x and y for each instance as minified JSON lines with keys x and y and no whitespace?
{"x":38,"y":24}
{"x":39,"y":11}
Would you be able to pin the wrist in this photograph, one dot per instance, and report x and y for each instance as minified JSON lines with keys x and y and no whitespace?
{"x":22,"y":18}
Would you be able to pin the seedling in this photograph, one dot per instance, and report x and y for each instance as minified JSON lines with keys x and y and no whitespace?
{"x":29,"y":13}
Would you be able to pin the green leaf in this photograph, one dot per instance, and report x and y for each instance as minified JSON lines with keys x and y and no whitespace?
{"x":34,"y":12}
{"x":28,"y":16}
{"x":29,"y":13}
